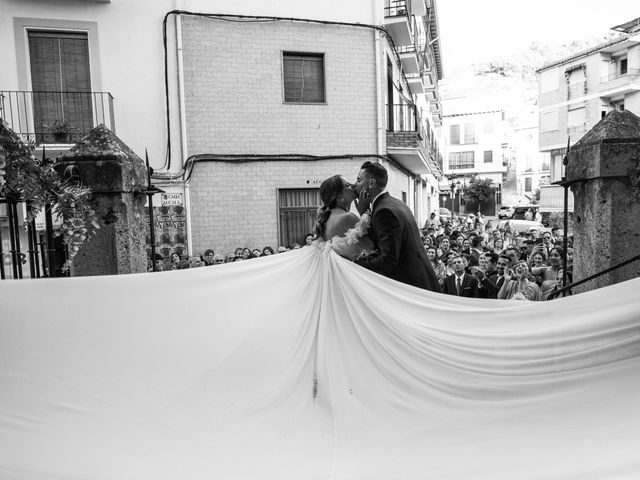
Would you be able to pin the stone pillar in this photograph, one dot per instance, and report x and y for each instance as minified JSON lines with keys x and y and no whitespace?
{"x":117,"y":178}
{"x":603,"y":171}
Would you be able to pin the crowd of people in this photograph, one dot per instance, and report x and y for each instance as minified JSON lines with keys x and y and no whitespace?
{"x":471,"y":258}
{"x":178,"y":261}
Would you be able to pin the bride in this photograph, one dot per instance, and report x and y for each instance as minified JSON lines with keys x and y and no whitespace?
{"x":346,"y":232}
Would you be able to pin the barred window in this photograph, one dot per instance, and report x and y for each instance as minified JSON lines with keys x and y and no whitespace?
{"x":460,"y":160}
{"x":297,"y":210}
{"x":303,"y":77}
{"x":469,"y":133}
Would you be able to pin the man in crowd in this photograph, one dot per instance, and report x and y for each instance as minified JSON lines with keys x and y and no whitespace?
{"x":460,"y":283}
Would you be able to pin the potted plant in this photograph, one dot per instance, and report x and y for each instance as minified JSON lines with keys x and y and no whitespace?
{"x":60,"y":129}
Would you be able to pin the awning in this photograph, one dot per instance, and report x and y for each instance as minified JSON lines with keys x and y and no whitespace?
{"x":552,"y":199}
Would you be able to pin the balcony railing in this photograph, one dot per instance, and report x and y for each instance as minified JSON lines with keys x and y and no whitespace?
{"x":402,"y":118}
{"x":630,"y":74}
{"x":396,"y":8}
{"x":47,"y":117}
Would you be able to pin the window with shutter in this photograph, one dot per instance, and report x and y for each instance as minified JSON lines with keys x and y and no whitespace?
{"x":298,"y":211}
{"x":61,"y":84}
{"x":303,"y":78}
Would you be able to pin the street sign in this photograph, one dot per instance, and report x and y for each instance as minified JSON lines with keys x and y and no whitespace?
{"x":171,"y":199}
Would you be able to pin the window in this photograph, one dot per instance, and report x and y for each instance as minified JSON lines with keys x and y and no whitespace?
{"x":623,"y":66}
{"x":404,"y":197}
{"x":460,"y":160}
{"x":469,"y":133}
{"x":60,"y":80}
{"x":576,"y":117}
{"x":454,"y":134}
{"x":303,"y":78}
{"x":549,"y":121}
{"x":527,"y":184}
{"x":549,"y":81}
{"x":488,"y":156}
{"x":298,"y":210}
{"x":488,"y":128}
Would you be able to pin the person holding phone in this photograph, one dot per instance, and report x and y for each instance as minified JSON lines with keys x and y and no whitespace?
{"x":517,"y":285}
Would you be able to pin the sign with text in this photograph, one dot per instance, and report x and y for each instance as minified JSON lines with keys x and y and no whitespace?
{"x":171,"y":199}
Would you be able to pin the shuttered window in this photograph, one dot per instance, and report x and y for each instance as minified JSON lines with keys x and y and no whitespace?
{"x":454,"y":134}
{"x":303,"y":78}
{"x":298,"y":210}
{"x":61,"y":84}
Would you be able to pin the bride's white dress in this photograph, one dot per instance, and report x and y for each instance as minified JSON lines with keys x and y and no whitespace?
{"x":306,"y":366}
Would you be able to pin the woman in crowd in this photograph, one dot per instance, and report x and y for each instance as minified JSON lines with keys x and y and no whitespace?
{"x":229,"y":258}
{"x":549,"y":273}
{"x":517,"y":285}
{"x":267,"y":251}
{"x":438,"y":266}
{"x":497,"y":245}
{"x":537,"y":260}
{"x":444,"y":246}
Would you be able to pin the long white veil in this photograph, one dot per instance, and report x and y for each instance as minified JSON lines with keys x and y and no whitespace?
{"x":306,"y":366}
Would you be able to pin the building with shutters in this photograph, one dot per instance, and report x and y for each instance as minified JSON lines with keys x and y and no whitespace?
{"x":576,"y":92}
{"x":242,"y":115}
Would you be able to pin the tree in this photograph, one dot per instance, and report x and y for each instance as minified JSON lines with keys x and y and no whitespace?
{"x":23,"y":177}
{"x":479,"y":190}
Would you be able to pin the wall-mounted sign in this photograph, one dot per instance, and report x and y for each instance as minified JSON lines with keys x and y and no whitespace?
{"x":171,"y":198}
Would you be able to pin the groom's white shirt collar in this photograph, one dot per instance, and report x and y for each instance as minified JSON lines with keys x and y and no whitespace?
{"x":376,"y":197}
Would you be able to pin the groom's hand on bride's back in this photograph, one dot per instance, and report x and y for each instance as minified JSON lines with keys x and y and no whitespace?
{"x":363,"y":202}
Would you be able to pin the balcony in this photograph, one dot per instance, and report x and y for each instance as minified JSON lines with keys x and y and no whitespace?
{"x":620,"y":83}
{"x":415,"y":84}
{"x":408,"y":141}
{"x":62,"y":118}
{"x":409,"y":59}
{"x":397,"y":22}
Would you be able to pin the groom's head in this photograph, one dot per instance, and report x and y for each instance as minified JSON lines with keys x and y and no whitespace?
{"x":372,"y":178}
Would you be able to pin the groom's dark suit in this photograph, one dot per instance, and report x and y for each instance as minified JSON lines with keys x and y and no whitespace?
{"x":400,"y":253}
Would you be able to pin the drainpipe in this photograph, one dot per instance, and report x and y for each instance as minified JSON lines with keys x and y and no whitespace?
{"x":381,"y":129}
{"x":183,"y":124}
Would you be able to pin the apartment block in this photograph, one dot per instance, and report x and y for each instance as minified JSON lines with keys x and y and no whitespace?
{"x":243,"y":108}
{"x":577,"y":91}
{"x":474,"y":143}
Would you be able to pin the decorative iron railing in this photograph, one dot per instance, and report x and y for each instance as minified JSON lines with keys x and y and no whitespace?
{"x":396,"y":8}
{"x":55,"y":117}
{"x":402,"y":118}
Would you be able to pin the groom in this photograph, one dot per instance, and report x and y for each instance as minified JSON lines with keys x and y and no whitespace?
{"x":400,"y":254}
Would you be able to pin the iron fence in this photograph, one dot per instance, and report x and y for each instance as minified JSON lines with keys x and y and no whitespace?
{"x":28,"y":248}
{"x":55,"y":117}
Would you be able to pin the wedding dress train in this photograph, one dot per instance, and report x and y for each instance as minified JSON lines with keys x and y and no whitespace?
{"x":305,"y":366}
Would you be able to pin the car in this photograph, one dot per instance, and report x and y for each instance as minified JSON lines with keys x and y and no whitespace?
{"x":523,"y":226}
{"x":444,"y":214}
{"x":520,"y":211}
{"x":506,"y":211}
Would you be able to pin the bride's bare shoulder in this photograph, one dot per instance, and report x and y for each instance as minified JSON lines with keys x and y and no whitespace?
{"x":339,"y":223}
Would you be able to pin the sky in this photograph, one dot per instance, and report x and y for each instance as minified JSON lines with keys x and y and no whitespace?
{"x":473,"y":31}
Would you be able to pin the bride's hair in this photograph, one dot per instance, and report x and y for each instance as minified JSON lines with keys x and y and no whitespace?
{"x":330,"y":190}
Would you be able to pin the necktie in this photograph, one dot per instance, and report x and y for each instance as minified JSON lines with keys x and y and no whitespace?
{"x":459,"y":285}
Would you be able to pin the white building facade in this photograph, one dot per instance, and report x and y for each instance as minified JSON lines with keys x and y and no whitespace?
{"x":474,"y":144}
